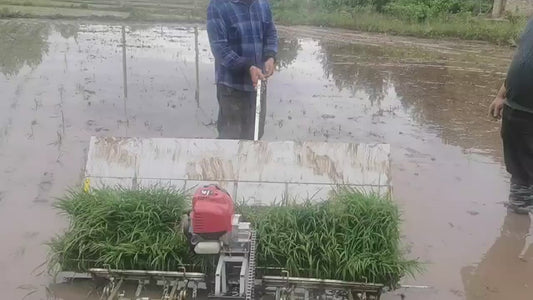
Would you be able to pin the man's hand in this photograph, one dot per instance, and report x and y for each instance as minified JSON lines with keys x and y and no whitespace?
{"x":256,"y":74}
{"x":269,"y":67}
{"x":496,"y":108}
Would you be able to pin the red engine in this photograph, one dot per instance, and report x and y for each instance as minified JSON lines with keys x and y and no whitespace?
{"x":212,"y":212}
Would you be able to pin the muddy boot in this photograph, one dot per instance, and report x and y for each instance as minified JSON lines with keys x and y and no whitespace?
{"x":520,"y":199}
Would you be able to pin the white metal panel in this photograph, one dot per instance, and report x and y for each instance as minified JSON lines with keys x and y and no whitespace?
{"x":314,"y":162}
{"x":120,"y":157}
{"x":187,"y":159}
{"x":257,"y":193}
{"x":257,"y":172}
{"x":104,"y":182}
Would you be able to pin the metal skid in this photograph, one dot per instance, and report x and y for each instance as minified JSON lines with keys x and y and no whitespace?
{"x":174,"y":284}
{"x":290,"y":288}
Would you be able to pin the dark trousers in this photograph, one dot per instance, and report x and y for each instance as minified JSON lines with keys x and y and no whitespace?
{"x":236,"y":114}
{"x":517,"y":136}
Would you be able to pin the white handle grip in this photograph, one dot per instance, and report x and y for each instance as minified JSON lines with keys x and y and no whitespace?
{"x":257,"y":111}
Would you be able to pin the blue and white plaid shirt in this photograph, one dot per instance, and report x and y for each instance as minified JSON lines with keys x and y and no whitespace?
{"x":241,"y":33}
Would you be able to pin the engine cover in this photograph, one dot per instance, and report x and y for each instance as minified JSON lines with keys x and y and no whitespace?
{"x":212,"y":212}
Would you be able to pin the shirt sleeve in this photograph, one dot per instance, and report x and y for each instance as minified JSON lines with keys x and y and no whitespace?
{"x":270,"y":45}
{"x":218,"y":39}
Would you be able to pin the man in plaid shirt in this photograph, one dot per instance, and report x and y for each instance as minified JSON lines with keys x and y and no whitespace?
{"x":244,"y":41}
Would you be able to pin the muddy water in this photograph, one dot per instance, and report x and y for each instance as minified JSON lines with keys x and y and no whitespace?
{"x":61,"y":83}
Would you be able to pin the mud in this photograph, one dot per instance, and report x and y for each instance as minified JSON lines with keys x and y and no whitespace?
{"x":64,"y":82}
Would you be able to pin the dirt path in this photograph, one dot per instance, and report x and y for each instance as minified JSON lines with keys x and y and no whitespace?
{"x":63,"y":82}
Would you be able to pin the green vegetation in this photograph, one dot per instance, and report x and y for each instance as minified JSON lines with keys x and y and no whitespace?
{"x":8,"y":13}
{"x":138,"y":14}
{"x":418,"y":10}
{"x":351,"y":237}
{"x":122,"y":229}
{"x":154,"y":11}
{"x":466,"y":19}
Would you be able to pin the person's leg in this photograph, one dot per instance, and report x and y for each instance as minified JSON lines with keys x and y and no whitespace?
{"x":527,"y":152}
{"x":234,"y":106}
{"x":514,"y":132}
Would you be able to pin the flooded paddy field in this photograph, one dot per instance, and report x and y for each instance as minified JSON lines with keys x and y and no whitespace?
{"x":160,"y":10}
{"x":62,"y":82}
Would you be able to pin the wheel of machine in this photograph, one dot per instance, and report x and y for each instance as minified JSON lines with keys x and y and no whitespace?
{"x":183,"y":294}
{"x":284,"y":295}
{"x":107,"y":290}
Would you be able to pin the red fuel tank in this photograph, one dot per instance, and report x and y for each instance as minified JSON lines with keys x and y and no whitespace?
{"x":212,"y":210}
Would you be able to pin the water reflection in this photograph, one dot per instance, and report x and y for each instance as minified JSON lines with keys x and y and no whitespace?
{"x":453,"y":103}
{"x":448,"y":100}
{"x":504,"y":269}
{"x":22,"y":44}
{"x":125,"y":77}
{"x":345,"y":65}
{"x":67,"y":30}
{"x":287,"y":51}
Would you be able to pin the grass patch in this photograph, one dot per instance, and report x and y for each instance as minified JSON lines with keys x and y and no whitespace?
{"x":138,"y":14}
{"x":501,"y":32}
{"x":351,"y":237}
{"x":9,"y":13}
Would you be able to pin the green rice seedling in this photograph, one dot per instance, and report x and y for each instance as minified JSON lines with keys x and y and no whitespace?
{"x":124,"y":229}
{"x":351,"y":237}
